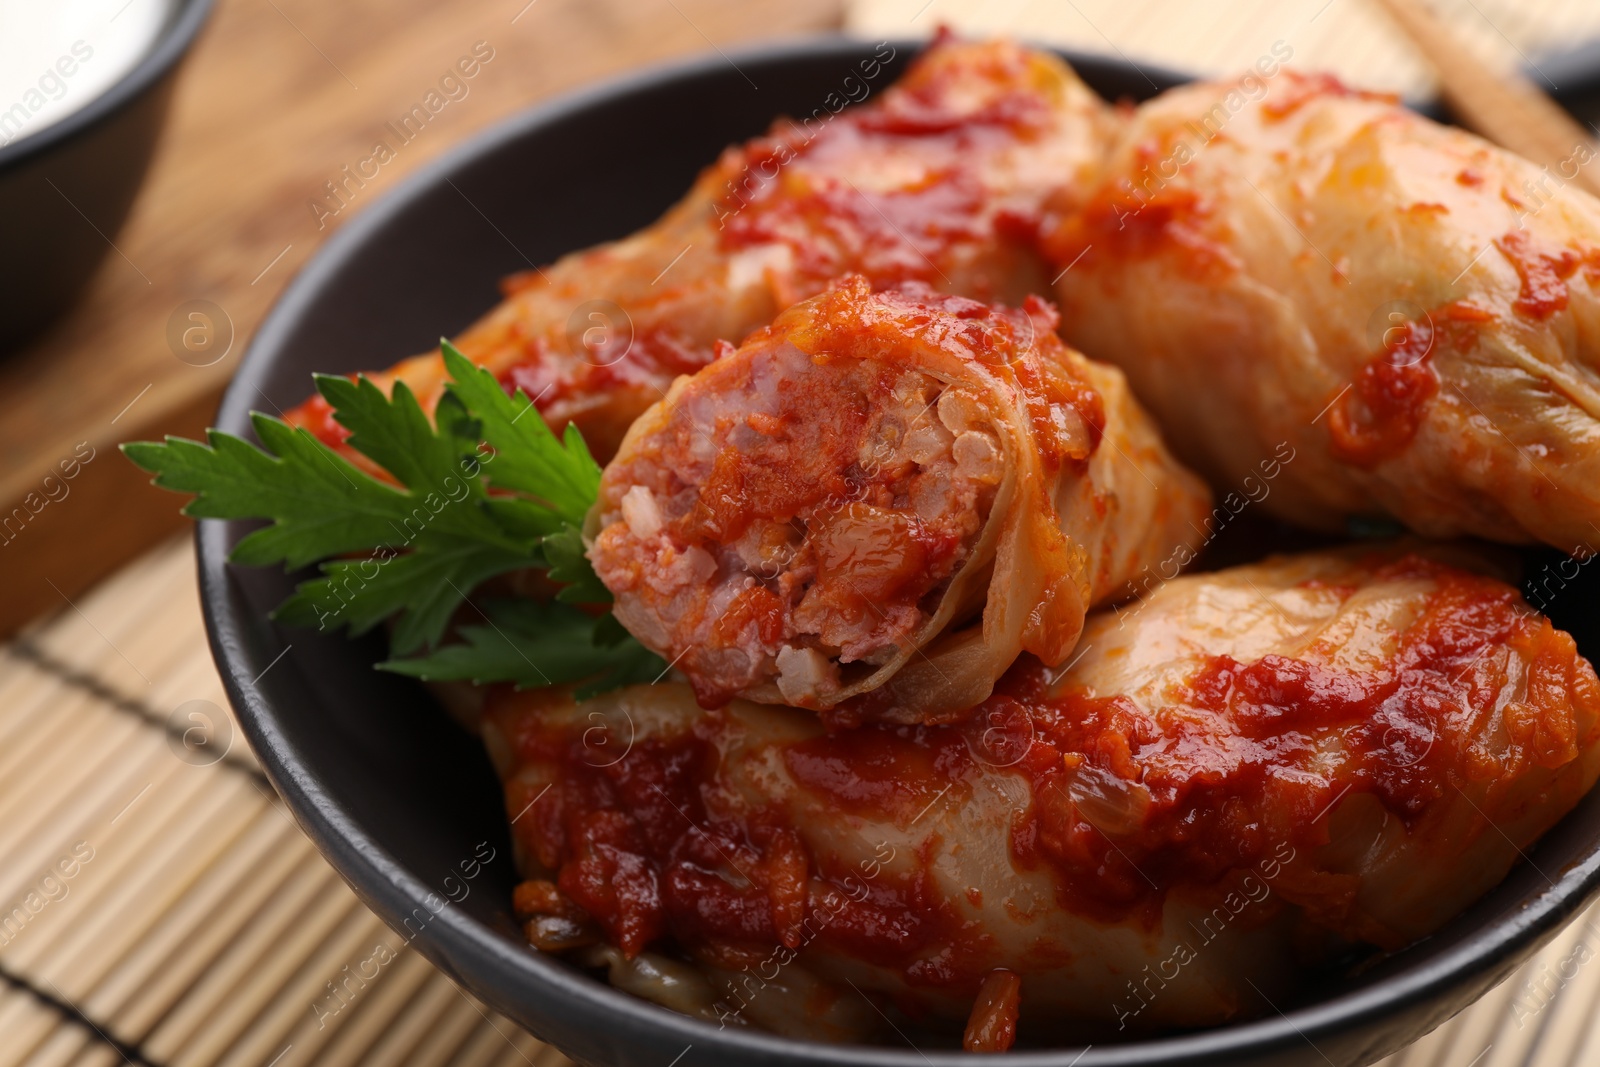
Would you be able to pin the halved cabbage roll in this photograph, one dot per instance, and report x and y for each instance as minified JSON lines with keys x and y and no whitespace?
{"x":811,"y":518}
{"x":1244,"y":773}
{"x":1413,"y":310}
{"x":940,"y":177}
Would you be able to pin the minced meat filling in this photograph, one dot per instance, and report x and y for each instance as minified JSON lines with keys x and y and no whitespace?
{"x":804,"y":515}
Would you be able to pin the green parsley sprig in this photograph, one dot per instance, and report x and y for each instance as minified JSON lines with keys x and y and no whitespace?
{"x":536,"y":643}
{"x":484,"y":488}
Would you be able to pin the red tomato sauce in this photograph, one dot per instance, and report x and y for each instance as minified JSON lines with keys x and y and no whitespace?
{"x":803,"y":464}
{"x":1127,"y":804}
{"x":1253,"y":754}
{"x":1133,"y":224}
{"x":636,"y":847}
{"x":808,"y":470}
{"x":787,"y":188}
{"x":315,"y":416}
{"x":554,"y":378}
{"x":1544,"y":276}
{"x":1018,"y":346}
{"x":1382,"y":410}
{"x":834,"y":226}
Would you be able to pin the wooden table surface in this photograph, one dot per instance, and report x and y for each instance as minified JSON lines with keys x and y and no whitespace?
{"x":277,"y":97}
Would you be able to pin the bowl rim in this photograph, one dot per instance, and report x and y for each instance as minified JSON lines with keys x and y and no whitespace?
{"x":172,"y":43}
{"x":393,"y":891}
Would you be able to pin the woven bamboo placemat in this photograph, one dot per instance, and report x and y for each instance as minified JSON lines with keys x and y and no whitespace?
{"x":159,"y":907}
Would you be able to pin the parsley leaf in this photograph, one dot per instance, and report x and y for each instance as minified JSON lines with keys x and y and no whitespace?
{"x":561,"y":474}
{"x":427,"y":539}
{"x":430,"y":538}
{"x":423,"y":587}
{"x":537,"y":644}
{"x":564,"y":553}
{"x":294,"y":483}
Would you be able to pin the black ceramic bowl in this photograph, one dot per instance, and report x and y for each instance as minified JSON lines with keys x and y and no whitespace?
{"x":398,"y":798}
{"x":66,"y":189}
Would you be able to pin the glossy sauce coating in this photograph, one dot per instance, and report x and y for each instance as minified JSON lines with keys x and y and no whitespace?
{"x":938,"y":178}
{"x":798,"y":521}
{"x":1391,"y":695}
{"x":911,"y":232}
{"x":1245,"y":257}
{"x":1250,"y":754}
{"x":634,"y":845}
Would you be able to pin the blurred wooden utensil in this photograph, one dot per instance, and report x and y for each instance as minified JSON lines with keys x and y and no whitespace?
{"x":1505,"y":107}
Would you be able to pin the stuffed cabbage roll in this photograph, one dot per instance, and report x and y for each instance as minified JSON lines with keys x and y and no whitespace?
{"x":939,"y":178}
{"x":813,"y":517}
{"x":1244,"y":774}
{"x":1412,"y":309}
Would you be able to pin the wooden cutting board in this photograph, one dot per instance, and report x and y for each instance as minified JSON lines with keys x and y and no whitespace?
{"x":281,"y":94}
{"x":277,"y":97}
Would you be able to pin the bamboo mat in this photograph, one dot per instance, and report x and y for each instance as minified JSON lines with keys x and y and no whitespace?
{"x":1354,"y":38}
{"x":198,"y":926}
